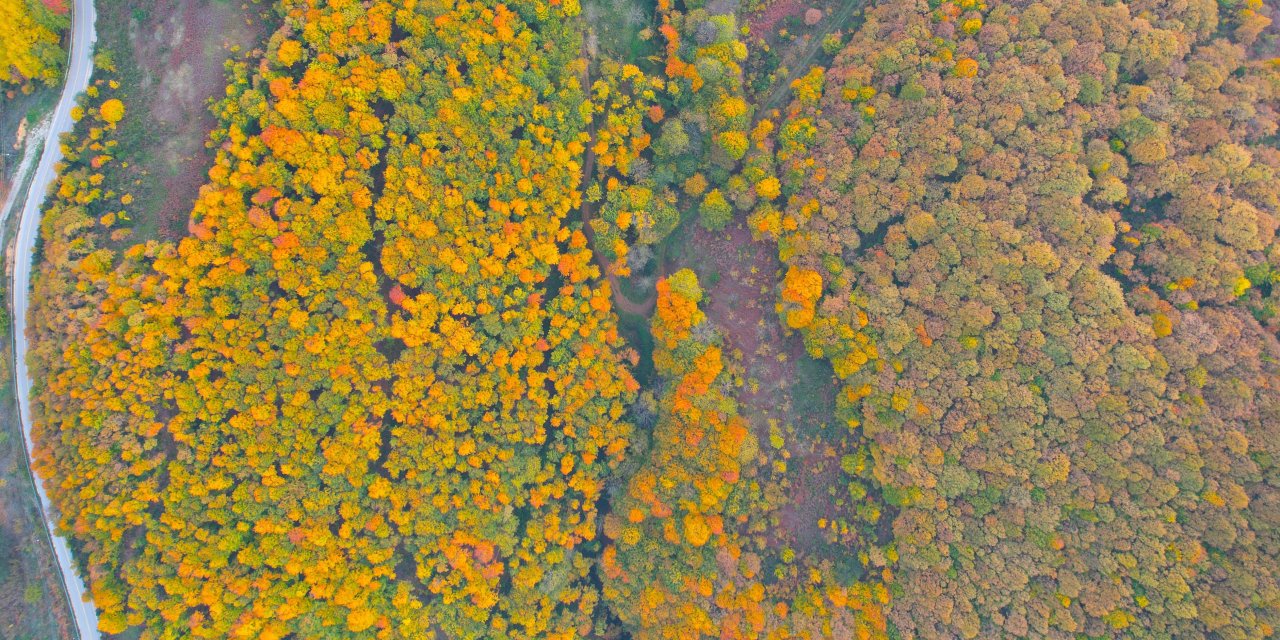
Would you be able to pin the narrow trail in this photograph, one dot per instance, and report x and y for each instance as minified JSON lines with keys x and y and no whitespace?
{"x":620,"y":299}
{"x":783,"y":88}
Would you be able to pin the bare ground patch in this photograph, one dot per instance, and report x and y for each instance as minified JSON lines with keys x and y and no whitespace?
{"x":786,"y":393}
{"x":765,"y":21}
{"x":170,"y":56}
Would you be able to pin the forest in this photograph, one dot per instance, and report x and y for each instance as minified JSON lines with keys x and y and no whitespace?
{"x":30,"y":49}
{"x":581,"y":319}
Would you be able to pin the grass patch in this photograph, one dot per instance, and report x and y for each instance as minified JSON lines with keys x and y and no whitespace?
{"x":634,"y":328}
{"x":813,"y":393}
{"x":32,"y":603}
{"x":619,"y":26}
{"x":41,"y":103}
{"x":638,"y":288}
{"x":21,"y":111}
{"x":167,"y":57}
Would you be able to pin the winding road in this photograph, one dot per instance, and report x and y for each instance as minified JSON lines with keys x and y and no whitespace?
{"x":79,"y":68}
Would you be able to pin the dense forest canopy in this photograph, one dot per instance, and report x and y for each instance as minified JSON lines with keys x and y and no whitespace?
{"x":391,"y":385}
{"x":30,"y":50}
{"x":369,"y":390}
{"x":1050,"y":218}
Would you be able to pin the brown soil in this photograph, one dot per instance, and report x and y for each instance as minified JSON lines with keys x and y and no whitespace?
{"x":764,"y":22}
{"x":741,"y":304}
{"x":809,"y":498}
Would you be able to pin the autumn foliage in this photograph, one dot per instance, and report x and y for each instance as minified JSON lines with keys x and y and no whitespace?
{"x":1029,"y":219}
{"x":379,"y":389}
{"x":30,"y":47}
{"x":370,"y":393}
{"x":686,"y":557}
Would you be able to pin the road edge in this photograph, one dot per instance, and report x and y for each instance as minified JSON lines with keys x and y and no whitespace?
{"x":79,"y":70}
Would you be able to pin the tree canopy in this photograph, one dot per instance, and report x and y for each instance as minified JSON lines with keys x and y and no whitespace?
{"x":30,"y":46}
{"x":380,"y":389}
{"x":1025,"y":222}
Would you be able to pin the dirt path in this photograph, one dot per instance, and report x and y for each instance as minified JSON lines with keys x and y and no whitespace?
{"x":801,"y":66}
{"x":645,"y":307}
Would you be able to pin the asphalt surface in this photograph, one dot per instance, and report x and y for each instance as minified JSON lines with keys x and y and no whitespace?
{"x":79,"y":69}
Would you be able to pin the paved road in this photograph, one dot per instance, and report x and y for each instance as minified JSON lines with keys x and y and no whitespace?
{"x":79,"y":68}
